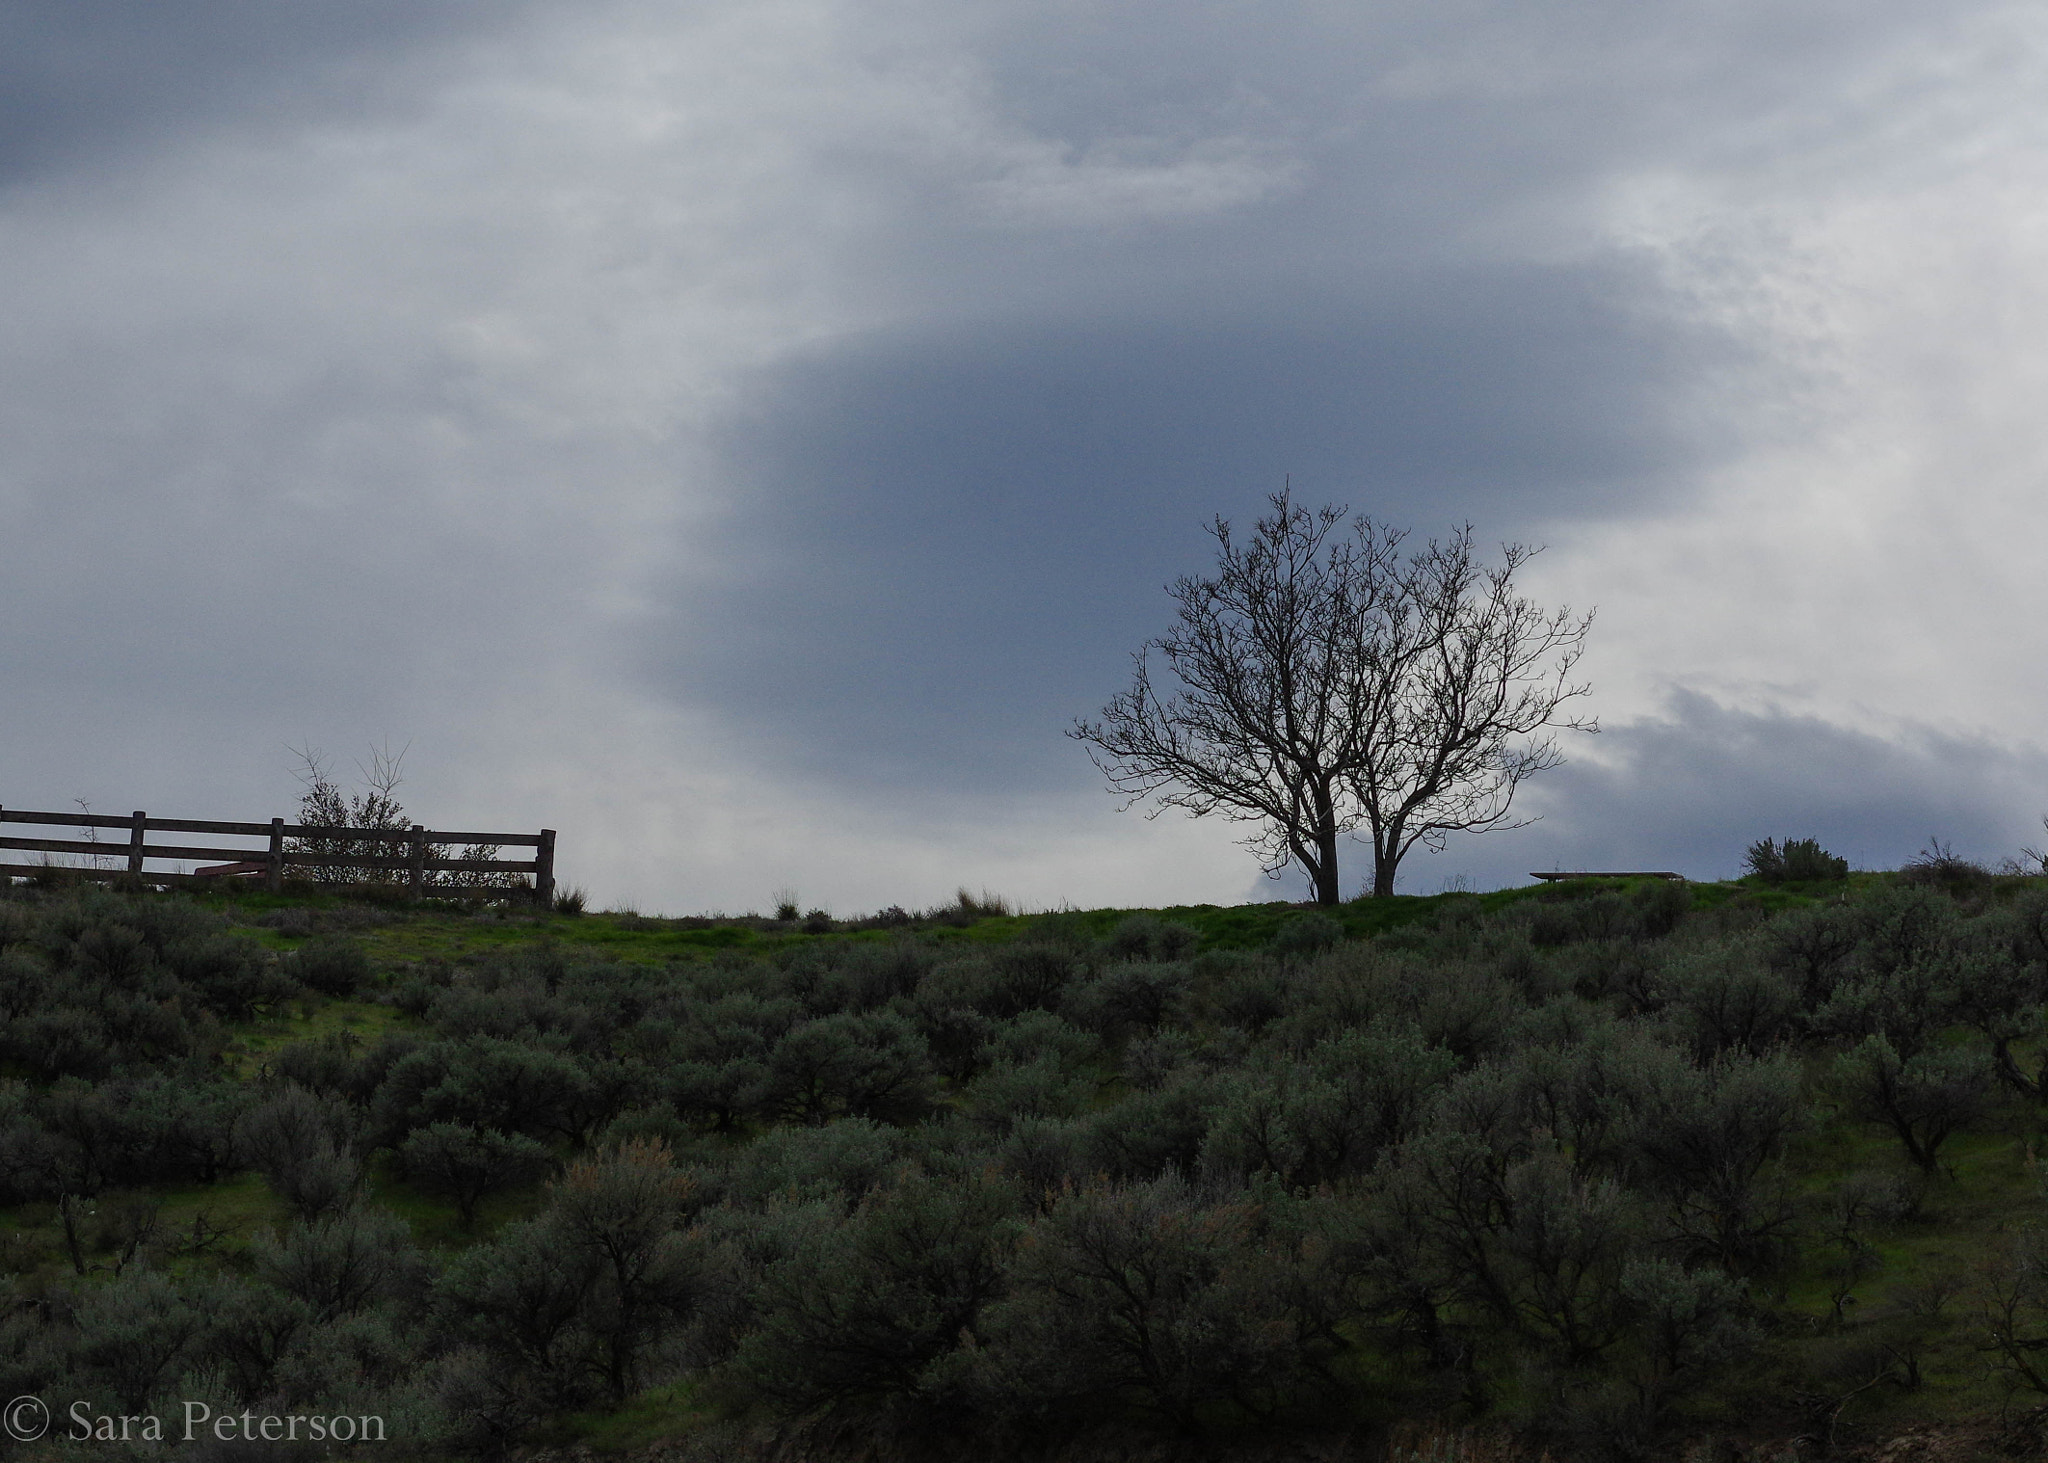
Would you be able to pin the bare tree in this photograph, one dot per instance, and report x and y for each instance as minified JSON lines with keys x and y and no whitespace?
{"x":1330,"y":682}
{"x":375,"y":810}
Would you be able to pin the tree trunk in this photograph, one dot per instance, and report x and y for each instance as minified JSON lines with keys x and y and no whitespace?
{"x":1386,"y":857}
{"x":1325,"y":871}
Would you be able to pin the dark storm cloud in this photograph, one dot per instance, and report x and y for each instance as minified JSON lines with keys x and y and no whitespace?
{"x":79,"y":78}
{"x":946,"y":537}
{"x":950,"y":542}
{"x":1690,"y":791}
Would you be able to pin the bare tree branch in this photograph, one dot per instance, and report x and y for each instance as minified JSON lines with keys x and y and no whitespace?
{"x":1328,"y":683}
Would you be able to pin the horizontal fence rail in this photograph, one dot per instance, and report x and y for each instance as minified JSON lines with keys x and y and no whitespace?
{"x":409,"y":851}
{"x":1607,"y":874}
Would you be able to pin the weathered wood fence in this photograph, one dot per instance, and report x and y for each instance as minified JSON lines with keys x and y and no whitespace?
{"x":409,"y":864}
{"x":1608,"y":874}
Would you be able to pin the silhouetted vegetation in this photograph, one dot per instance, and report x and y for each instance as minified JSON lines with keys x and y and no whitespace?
{"x":1797,"y":860}
{"x":1325,"y":682}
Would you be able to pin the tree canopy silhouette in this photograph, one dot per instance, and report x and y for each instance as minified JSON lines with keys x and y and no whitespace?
{"x":1329,"y":682}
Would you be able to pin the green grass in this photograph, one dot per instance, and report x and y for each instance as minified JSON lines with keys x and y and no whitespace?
{"x":309,"y":1021}
{"x":653,"y":1417}
{"x":236,"y":1209}
{"x":454,"y":934}
{"x":434,"y":1222}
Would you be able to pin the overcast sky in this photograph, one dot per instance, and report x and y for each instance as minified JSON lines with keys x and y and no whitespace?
{"x":744,"y":435}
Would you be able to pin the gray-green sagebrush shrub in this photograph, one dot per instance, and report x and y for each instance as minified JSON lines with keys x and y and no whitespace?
{"x":304,"y":1145}
{"x":1128,"y":999}
{"x":333,"y":965}
{"x":1144,"y":1296}
{"x":466,"y":1165}
{"x":1009,"y":1092}
{"x":1328,"y":1116}
{"x":1728,"y":996}
{"x":2004,"y":996}
{"x":343,"y":1263}
{"x":838,"y":1163}
{"x":1150,"y":1134}
{"x":1923,"y":1099}
{"x":1705,"y":1142}
{"x":1796,"y":860}
{"x":492,"y":1082}
{"x":846,"y":1065}
{"x":1304,"y":936}
{"x":593,"y":1298}
{"x":133,"y":1335}
{"x":1150,"y":938}
{"x":232,"y":974}
{"x":859,"y":1314}
{"x":78,"y":1138}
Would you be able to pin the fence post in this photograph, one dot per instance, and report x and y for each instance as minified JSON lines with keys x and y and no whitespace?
{"x":273,"y":872}
{"x":544,"y":870}
{"x":136,"y":837}
{"x":416,"y":860}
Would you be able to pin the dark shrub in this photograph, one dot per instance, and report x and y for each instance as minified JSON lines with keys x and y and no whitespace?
{"x":1241,"y":990}
{"x":17,"y":925}
{"x":838,"y":1163}
{"x":1075,"y":1337}
{"x":303,"y":1145}
{"x":1942,"y":867}
{"x":858,"y":1314}
{"x":343,"y":1263}
{"x":1922,"y":1099}
{"x":1329,"y":1117}
{"x":957,"y":1038}
{"x":485,"y":1082}
{"x":232,"y":974}
{"x":1029,"y":978}
{"x":1572,"y":911}
{"x":253,"y":1327}
{"x":1007,"y":1092}
{"x":326,"y":1064}
{"x":1126,"y":1000}
{"x":1147,"y":937}
{"x":332,"y":965}
{"x":1659,"y":905}
{"x":1728,"y":996}
{"x":859,"y":1066}
{"x":133,"y":1336}
{"x":619,"y":1215}
{"x":1797,"y":860}
{"x":466,"y":1165}
{"x":1149,"y":1133}
{"x":1301,"y":936}
{"x":112,"y":953}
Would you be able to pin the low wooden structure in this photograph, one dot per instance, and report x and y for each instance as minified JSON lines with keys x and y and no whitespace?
{"x":1607,"y":874}
{"x":407,"y":862}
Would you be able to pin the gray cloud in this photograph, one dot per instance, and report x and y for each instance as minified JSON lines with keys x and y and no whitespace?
{"x":79,"y":82}
{"x":949,"y":541}
{"x":1690,"y":790}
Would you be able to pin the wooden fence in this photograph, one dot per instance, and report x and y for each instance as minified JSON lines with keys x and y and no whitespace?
{"x":1609,"y":874}
{"x":410,"y":864}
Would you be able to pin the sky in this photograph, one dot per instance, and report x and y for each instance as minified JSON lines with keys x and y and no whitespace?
{"x":745,"y":436}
